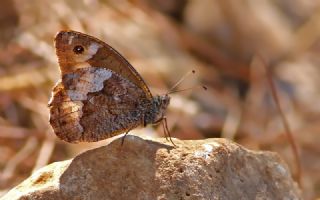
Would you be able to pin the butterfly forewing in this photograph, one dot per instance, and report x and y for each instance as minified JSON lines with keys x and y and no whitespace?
{"x":99,"y":54}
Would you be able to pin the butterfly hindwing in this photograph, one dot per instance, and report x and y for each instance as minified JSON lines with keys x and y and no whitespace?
{"x":95,"y":104}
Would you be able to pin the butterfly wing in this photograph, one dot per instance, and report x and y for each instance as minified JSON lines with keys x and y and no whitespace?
{"x":92,"y":104}
{"x":100,"y":93}
{"x":96,"y":53}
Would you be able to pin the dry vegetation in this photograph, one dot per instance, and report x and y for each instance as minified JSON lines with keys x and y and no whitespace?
{"x":229,"y":43}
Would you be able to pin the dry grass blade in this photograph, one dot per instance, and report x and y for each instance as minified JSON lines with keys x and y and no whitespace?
{"x":24,"y":153}
{"x":45,"y":153}
{"x":284,"y":121}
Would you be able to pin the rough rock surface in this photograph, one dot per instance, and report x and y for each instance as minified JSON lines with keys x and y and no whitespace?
{"x":144,"y":169}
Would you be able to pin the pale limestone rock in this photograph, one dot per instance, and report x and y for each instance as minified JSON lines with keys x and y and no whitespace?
{"x":144,"y":169}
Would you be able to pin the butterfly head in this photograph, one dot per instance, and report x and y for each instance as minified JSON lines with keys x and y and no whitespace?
{"x":74,"y":49}
{"x":158,"y":109}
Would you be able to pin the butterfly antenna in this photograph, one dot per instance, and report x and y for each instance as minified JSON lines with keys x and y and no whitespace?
{"x":186,"y":89}
{"x":180,"y":81}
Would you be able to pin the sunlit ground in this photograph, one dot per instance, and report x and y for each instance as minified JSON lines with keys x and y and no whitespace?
{"x":230,"y":44}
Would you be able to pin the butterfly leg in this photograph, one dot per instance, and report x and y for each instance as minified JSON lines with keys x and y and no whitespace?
{"x":144,"y":122}
{"x":165,"y":125}
{"x":164,"y":130}
{"x":123,"y":137}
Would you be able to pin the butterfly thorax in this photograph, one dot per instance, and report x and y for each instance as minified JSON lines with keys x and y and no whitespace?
{"x":158,"y":108}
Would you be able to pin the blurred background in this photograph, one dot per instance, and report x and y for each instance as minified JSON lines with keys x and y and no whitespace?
{"x":229,"y":44}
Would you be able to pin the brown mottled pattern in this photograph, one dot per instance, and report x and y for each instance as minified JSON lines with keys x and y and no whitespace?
{"x":117,"y":107}
{"x":100,"y":94}
{"x":65,"y":115}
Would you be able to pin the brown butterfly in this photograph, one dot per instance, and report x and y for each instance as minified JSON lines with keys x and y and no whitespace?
{"x":100,"y":94}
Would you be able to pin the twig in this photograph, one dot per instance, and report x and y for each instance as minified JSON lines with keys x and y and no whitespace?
{"x":232,"y":122}
{"x":10,"y":132}
{"x":45,"y":153}
{"x":288,"y":131}
{"x":24,"y":153}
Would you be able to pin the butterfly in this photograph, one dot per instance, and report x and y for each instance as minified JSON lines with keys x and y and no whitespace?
{"x":100,"y":94}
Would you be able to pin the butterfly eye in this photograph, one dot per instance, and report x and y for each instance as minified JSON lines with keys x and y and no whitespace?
{"x":78,"y":49}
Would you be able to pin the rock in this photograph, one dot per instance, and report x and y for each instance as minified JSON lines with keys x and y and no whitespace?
{"x":144,"y":169}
